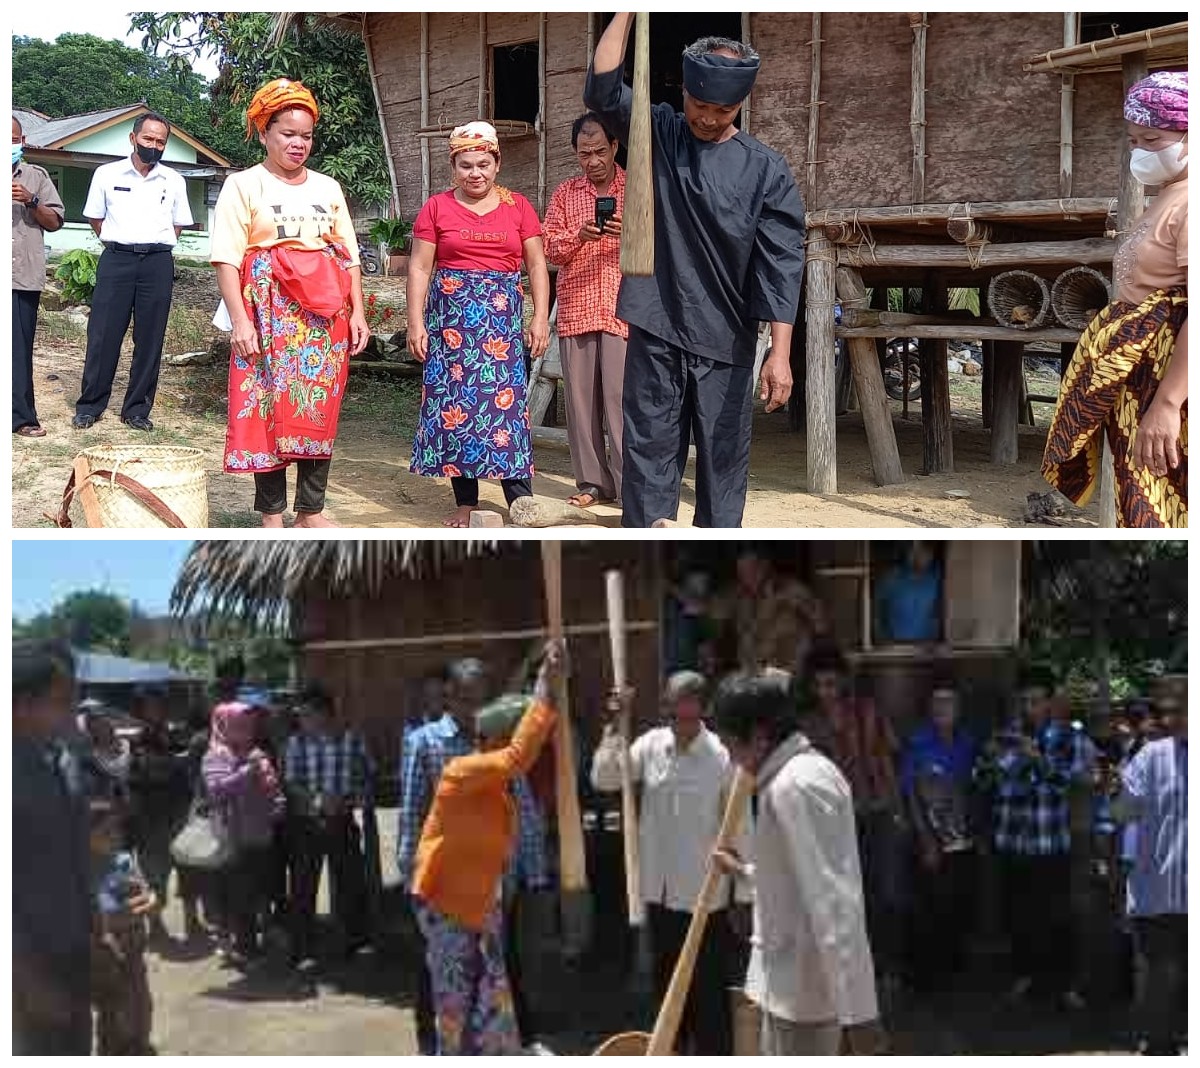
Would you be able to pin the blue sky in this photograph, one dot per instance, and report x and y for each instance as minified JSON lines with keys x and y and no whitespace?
{"x":44,"y":572}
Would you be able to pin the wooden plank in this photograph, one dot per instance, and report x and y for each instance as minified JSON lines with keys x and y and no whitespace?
{"x":1016,"y":254}
{"x":92,"y":516}
{"x":939,"y":213}
{"x":936,"y":424}
{"x":819,"y":377}
{"x":969,"y":331}
{"x":1006,"y":400}
{"x":988,"y":360}
{"x":868,"y":382}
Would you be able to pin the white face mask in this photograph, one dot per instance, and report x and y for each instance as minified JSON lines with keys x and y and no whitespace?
{"x":1158,"y":168}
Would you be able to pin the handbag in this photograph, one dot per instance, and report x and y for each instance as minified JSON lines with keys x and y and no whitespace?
{"x":203,"y":842}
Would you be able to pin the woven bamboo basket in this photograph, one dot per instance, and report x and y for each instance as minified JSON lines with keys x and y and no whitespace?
{"x":172,"y":474}
{"x":1019,"y":299}
{"x":1078,"y":295}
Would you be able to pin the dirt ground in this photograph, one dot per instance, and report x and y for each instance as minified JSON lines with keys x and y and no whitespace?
{"x":370,"y":485}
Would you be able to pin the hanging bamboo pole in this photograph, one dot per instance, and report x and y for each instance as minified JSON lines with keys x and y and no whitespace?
{"x":483,"y":67}
{"x":1115,"y":48}
{"x":637,"y":242}
{"x":423,"y":67}
{"x":919,"y":22}
{"x":541,"y":119}
{"x":746,"y":40}
{"x":1066,"y":117}
{"x":814,"y":117}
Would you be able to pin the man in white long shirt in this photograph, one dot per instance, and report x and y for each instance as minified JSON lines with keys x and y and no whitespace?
{"x":811,"y":972}
{"x":683,"y":773}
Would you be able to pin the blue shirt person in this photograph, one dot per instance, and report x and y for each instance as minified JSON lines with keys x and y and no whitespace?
{"x":908,"y":599}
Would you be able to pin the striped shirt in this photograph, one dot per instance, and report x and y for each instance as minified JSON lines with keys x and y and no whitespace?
{"x":589,"y":276}
{"x":1155,"y":797}
{"x":426,"y":752}
{"x":332,"y":765}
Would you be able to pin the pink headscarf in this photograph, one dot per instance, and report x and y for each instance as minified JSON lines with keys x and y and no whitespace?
{"x":1159,"y":101}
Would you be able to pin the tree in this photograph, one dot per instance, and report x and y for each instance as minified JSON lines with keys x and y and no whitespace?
{"x":347,"y":143}
{"x":90,"y":619}
{"x":79,"y":72}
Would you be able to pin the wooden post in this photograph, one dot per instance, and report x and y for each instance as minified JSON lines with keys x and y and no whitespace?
{"x":1066,"y":117}
{"x":936,"y":425}
{"x":919,"y":22}
{"x":373,"y":73}
{"x":868,"y":382}
{"x":481,"y":107}
{"x":814,"y":120}
{"x":988,"y":361}
{"x":1131,"y":199}
{"x":423,"y":68}
{"x":1006,"y":400}
{"x":745,"y":117}
{"x":819,"y":385}
{"x":541,"y":116}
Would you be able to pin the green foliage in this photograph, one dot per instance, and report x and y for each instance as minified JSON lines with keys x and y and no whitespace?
{"x":79,"y":72}
{"x":91,"y":619}
{"x":77,"y":273}
{"x":347,"y":143}
{"x":392,"y":232}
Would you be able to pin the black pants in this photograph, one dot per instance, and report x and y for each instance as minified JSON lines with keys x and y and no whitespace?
{"x":670,"y":397}
{"x":944,"y":908}
{"x":133,"y":286}
{"x":313,"y":842}
{"x":1160,"y":946}
{"x":270,"y":488}
{"x":242,"y":890}
{"x":423,"y":1009}
{"x":466,"y":490}
{"x":513,"y":946}
{"x":706,"y":1028}
{"x":24,"y":323}
{"x":1036,"y":894}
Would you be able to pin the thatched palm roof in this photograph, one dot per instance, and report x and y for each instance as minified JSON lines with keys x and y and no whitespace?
{"x":261,"y":579}
{"x":296,"y":22}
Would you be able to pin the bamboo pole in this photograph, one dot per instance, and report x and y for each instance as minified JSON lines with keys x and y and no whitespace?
{"x":570,"y":630}
{"x":868,"y":382}
{"x":819,"y":397}
{"x":373,"y":74}
{"x":423,"y":67}
{"x":814,"y":118}
{"x":1066,"y":112}
{"x":1115,"y":48}
{"x":989,"y":209}
{"x":919,"y":23}
{"x":481,"y":109}
{"x":541,"y":120}
{"x":746,"y":103}
{"x":1018,"y":254}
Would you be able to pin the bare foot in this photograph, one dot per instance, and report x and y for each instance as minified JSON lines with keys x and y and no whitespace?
{"x":312,"y":519}
{"x":275,"y":521}
{"x":460,"y":517}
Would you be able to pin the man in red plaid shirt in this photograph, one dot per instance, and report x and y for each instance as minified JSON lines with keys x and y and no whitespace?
{"x":591,"y":337}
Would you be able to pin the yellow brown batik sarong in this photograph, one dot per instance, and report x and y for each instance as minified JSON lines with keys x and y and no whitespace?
{"x":1111,"y":380}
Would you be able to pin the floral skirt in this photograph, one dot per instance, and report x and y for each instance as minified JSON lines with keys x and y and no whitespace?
{"x":474,"y":417}
{"x":471,"y":997}
{"x":284,"y":403}
{"x":1110,"y":382}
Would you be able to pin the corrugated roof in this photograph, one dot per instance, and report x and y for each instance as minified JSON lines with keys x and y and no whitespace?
{"x":104,"y":669}
{"x":41,"y":132}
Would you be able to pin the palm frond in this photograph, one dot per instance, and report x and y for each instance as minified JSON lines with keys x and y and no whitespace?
{"x":261,"y":580}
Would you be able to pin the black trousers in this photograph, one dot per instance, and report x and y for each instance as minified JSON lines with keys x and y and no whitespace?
{"x":242,"y":890}
{"x":1160,"y":1008}
{"x":670,"y":398}
{"x":423,"y":1009}
{"x":24,"y":323}
{"x":706,"y":1028}
{"x":466,"y":490}
{"x":943,"y":911}
{"x":1036,"y":895}
{"x":270,"y":488}
{"x":129,"y":286}
{"x":313,"y":842}
{"x":522,"y":1009}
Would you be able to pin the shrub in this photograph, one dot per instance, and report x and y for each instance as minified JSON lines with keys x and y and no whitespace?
{"x":392,"y":233}
{"x":77,"y":273}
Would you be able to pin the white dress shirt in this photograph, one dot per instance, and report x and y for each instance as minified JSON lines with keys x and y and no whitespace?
{"x":683,"y":795}
{"x":810,"y":960}
{"x":137,"y":210}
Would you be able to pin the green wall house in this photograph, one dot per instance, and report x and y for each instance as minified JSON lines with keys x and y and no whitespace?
{"x":71,"y":148}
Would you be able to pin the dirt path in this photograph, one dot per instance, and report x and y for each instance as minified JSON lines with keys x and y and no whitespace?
{"x":370,"y":485}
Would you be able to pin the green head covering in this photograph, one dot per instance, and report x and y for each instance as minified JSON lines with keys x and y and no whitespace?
{"x":499,"y":718}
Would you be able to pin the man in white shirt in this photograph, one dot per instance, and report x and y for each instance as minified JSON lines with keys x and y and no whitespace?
{"x":684,"y":775}
{"x":137,"y":208}
{"x":811,"y":972}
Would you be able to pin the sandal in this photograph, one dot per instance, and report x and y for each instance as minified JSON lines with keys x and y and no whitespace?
{"x":586,"y":500}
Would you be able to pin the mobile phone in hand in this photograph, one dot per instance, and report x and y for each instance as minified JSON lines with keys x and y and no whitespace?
{"x":606,"y":208}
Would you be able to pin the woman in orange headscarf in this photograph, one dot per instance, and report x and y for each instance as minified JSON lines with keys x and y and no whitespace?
{"x":287,"y":265}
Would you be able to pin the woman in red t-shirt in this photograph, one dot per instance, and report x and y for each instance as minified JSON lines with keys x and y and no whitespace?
{"x":465,"y":304}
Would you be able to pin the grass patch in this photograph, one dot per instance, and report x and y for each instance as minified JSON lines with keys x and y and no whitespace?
{"x":188,"y":330}
{"x":60,"y":327}
{"x":198,"y":392}
{"x":229,"y":517}
{"x":384,"y":404}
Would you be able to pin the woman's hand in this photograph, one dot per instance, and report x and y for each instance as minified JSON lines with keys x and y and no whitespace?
{"x":418,"y":340}
{"x":244,"y":340}
{"x":360,"y":333}
{"x":537,"y":337}
{"x":1156,"y":445}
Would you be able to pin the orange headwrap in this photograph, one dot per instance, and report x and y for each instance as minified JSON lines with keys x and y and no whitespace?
{"x":474,"y":137}
{"x":276,"y":96}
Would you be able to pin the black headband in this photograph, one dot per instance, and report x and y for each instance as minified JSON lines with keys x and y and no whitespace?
{"x":719,"y":79}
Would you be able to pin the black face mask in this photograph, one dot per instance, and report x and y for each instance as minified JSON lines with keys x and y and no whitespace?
{"x":148,"y":154}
